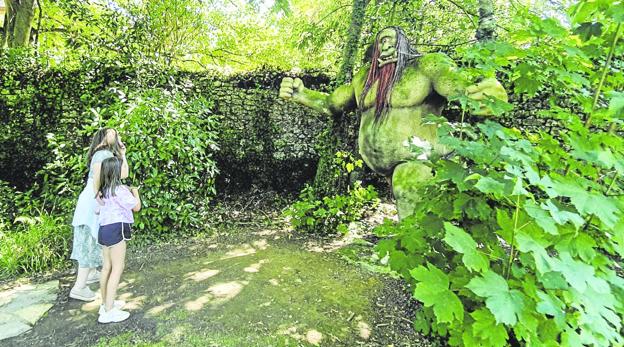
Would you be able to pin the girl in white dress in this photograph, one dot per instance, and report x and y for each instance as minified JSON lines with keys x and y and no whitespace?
{"x":106,"y":143}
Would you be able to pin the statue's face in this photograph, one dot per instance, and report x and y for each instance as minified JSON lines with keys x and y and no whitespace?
{"x":387,"y":41}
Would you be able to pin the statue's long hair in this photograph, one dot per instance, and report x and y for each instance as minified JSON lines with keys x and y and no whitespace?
{"x":389,"y":74}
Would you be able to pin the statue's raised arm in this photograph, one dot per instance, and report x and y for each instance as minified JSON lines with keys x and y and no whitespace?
{"x":449,"y":83}
{"x":340,"y":100}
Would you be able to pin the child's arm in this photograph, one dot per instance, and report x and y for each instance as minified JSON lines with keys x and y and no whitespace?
{"x":135,"y":193}
{"x":99,"y":204}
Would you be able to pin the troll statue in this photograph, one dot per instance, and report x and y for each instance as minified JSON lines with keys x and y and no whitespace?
{"x":394,"y":93}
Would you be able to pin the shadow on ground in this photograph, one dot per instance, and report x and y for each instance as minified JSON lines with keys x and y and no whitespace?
{"x":265,"y":291}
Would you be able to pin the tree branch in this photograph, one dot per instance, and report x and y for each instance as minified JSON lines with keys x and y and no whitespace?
{"x":468,"y":14}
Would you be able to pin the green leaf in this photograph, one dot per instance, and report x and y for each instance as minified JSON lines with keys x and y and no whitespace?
{"x":519,"y":188}
{"x":581,"y":245}
{"x":413,"y":242}
{"x":591,"y":150}
{"x":398,"y":261}
{"x":541,"y":217}
{"x":551,"y":305}
{"x":616,"y":104}
{"x":561,"y":216}
{"x":463,"y":243}
{"x":450,"y":170}
{"x":576,"y":273}
{"x":605,"y":208}
{"x":487,"y":329}
{"x":616,"y":11}
{"x":490,"y":186}
{"x":617,"y":239}
{"x":587,"y":30}
{"x":433,"y":290}
{"x":527,"y":243}
{"x":506,"y":305}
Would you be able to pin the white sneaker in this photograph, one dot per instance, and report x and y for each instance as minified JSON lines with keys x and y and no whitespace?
{"x":94,"y":277}
{"x":84,"y":294}
{"x":116,"y":304}
{"x":113,"y":316}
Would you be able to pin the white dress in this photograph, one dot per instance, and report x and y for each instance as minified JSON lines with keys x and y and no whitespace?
{"x":85,"y":248}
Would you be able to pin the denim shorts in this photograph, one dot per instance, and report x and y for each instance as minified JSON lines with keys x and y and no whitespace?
{"x":111,"y":234}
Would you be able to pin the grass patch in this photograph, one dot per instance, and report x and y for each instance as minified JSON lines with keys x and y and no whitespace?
{"x":35,"y":245}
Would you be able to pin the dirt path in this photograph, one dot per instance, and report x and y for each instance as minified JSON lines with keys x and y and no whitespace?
{"x":256,"y":289}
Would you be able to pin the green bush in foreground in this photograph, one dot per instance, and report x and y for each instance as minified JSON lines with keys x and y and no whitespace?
{"x":519,"y":237}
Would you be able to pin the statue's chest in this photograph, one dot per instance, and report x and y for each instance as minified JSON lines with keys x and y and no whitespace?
{"x":411,"y":90}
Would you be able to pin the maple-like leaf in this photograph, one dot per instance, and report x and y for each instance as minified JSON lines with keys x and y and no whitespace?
{"x":433,"y":290}
{"x":463,"y":243}
{"x":505,"y":304}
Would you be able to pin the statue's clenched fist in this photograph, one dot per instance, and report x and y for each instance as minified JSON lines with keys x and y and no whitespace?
{"x":487,"y":88}
{"x":290,"y":87}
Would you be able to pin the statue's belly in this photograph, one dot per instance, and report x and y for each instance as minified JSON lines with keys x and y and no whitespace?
{"x":383,"y":145}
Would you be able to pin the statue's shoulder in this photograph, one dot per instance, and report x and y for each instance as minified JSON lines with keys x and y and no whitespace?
{"x":360,"y":77}
{"x":433,"y":64}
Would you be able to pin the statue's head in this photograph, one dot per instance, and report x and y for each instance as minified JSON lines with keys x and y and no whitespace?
{"x":391,"y":54}
{"x":386,"y":43}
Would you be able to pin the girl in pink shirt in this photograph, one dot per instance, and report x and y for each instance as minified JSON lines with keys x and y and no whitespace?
{"x":115,"y":205}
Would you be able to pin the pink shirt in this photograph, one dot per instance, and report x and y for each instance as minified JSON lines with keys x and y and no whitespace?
{"x":118,"y":208}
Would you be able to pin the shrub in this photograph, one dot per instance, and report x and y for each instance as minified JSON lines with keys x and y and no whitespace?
{"x":171,"y":139}
{"x":329,"y":214}
{"x":34,"y":244}
{"x":518,"y":239}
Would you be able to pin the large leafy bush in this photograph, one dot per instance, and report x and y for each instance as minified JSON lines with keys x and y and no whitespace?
{"x":171,"y":139}
{"x":521,"y":236}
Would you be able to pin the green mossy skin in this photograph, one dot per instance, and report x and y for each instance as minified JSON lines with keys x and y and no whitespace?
{"x":406,"y":179}
{"x":442,"y":72}
{"x":383,"y":145}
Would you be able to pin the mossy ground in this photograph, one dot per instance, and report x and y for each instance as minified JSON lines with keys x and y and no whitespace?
{"x":262,"y":290}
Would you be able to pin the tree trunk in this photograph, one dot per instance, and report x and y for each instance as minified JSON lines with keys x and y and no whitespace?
{"x":353,"y":39}
{"x":18,"y":22}
{"x":486,"y":31}
{"x":341,"y":131}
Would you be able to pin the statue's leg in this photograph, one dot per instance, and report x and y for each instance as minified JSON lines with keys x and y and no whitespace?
{"x":406,"y":179}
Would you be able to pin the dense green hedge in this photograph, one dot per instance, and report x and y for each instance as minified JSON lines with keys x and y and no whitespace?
{"x":260,"y":133}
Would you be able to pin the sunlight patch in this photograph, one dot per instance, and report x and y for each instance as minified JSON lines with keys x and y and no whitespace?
{"x":226,"y":291}
{"x":199,"y":276}
{"x":255,"y":267}
{"x":314,"y":337}
{"x":127,"y":283}
{"x":364,"y":330}
{"x":198,"y":304}
{"x":292,"y":332}
{"x":156,"y":310}
{"x":267,"y":232}
{"x":92,"y":305}
{"x":261,"y":244}
{"x":240,"y":252}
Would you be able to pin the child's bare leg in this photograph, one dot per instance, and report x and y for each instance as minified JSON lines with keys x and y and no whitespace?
{"x":106,"y":271}
{"x":81,"y":277}
{"x":118,"y":259}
